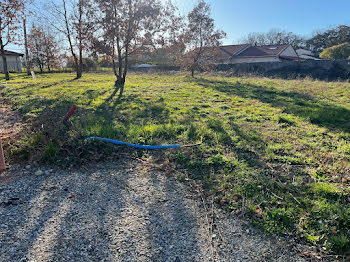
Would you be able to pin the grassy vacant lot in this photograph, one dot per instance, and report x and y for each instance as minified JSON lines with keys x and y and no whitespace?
{"x":277,"y":150}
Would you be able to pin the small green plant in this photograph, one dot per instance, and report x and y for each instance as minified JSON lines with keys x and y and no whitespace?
{"x":50,"y":152}
{"x":286,"y":120}
{"x":278,"y":220}
{"x":193,"y":132}
{"x":338,"y":243}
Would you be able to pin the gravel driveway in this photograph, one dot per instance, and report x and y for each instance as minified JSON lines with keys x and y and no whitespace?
{"x":119,"y":212}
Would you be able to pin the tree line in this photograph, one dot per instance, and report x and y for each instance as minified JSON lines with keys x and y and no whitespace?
{"x":116,"y":30}
{"x":112,"y":30}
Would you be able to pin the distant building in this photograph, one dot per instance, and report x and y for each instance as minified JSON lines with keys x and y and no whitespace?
{"x":14,"y":63}
{"x":237,"y":54}
{"x":143,"y":66}
{"x":306,"y":54}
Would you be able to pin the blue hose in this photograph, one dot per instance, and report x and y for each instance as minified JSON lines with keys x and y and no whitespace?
{"x":132,"y":145}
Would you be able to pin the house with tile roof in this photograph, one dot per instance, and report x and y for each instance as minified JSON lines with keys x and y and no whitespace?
{"x":14,"y":63}
{"x":236,"y":54}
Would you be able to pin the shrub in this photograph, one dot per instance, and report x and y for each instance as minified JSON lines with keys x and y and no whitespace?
{"x":341,"y":51}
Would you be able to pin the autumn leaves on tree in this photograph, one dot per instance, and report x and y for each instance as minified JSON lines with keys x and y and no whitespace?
{"x":11,"y":14}
{"x":112,"y":29}
{"x":200,"y":39}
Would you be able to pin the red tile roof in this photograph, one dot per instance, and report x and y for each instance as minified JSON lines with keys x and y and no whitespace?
{"x":266,"y":50}
{"x":248,"y":50}
{"x":233,"y":49}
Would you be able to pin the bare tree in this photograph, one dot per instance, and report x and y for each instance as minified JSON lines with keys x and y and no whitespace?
{"x":200,"y":39}
{"x":37,"y":47}
{"x":126,"y":28}
{"x":43,"y":48}
{"x":27,"y":15}
{"x":52,"y":54}
{"x":26,"y":46}
{"x":11,"y":12}
{"x":274,"y":37}
{"x":75,"y":23}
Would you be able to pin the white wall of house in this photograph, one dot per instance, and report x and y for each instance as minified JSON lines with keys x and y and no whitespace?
{"x":240,"y":60}
{"x":289,"y":51}
{"x":14,"y":63}
{"x":301,"y":51}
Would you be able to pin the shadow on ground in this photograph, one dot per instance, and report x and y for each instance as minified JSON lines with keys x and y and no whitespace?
{"x":317,"y":112}
{"x":113,"y":212}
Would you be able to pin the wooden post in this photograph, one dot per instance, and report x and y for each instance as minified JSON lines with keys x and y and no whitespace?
{"x":2,"y":158}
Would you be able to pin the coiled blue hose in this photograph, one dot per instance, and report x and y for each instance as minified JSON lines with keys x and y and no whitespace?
{"x":132,"y":145}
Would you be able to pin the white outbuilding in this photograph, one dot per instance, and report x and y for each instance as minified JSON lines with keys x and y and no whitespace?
{"x":14,"y":63}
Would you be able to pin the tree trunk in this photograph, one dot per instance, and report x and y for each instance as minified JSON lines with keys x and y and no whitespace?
{"x":26,"y":46}
{"x":68,"y":34}
{"x":77,"y":69}
{"x":4,"y":61}
{"x":126,"y":63}
{"x":114,"y":68}
{"x":80,"y":68}
{"x":80,"y":39}
{"x":192,"y":72}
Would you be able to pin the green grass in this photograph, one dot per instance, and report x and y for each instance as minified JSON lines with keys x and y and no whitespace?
{"x":277,"y":150}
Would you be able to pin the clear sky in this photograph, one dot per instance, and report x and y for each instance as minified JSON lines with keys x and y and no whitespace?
{"x":239,"y":17}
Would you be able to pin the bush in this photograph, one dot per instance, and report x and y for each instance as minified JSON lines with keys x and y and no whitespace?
{"x":341,"y":51}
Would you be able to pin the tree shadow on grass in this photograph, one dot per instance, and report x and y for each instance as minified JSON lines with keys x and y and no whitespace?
{"x":317,"y":112}
{"x":46,"y":86}
{"x":118,"y":87}
{"x":58,"y":83}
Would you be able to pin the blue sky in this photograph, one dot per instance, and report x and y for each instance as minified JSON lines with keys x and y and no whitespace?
{"x":239,"y":17}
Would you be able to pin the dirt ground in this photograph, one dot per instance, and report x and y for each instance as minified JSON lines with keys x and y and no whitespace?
{"x":118,"y":212}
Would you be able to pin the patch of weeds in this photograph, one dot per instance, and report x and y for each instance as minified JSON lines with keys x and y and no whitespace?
{"x":157,"y":110}
{"x":225,"y":139}
{"x":181,"y":157}
{"x":321,"y":175}
{"x":338,"y":243}
{"x":289,"y":160}
{"x":194,"y":132}
{"x":215,"y":124}
{"x":273,"y":149}
{"x":286,"y":121}
{"x":326,"y":190}
{"x":217,"y":160}
{"x":278,"y":220}
{"x":50,"y":152}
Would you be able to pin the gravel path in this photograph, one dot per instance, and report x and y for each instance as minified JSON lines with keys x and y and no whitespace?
{"x":119,"y":212}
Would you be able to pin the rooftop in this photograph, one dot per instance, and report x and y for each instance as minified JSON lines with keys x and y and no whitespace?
{"x":7,"y":52}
